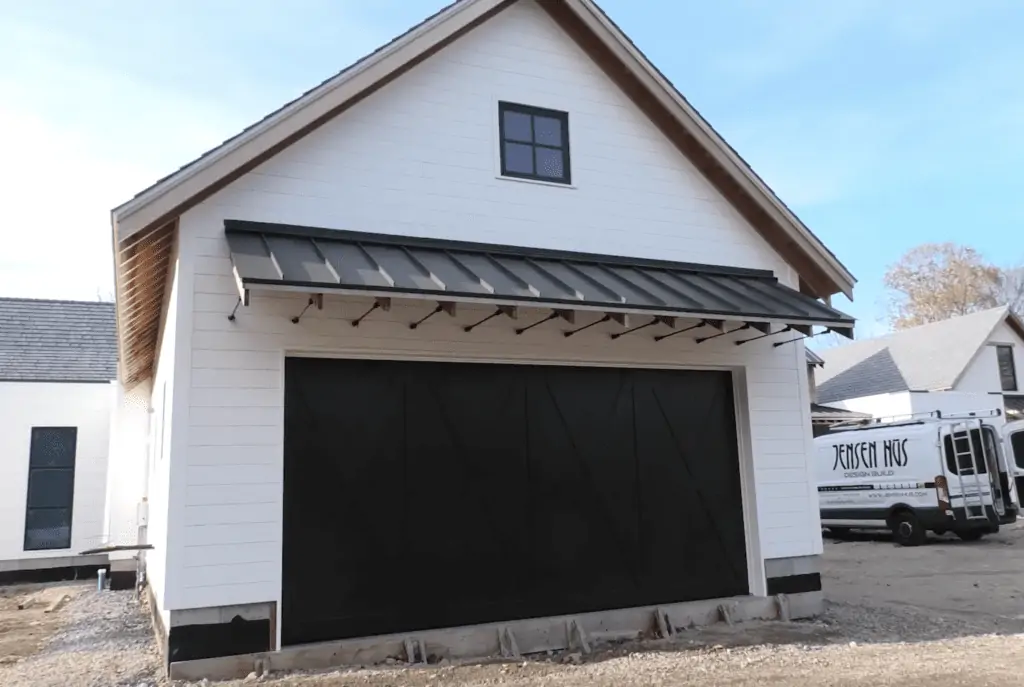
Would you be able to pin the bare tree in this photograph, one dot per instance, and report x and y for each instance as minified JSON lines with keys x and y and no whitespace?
{"x":1011,"y":288}
{"x":936,"y":281}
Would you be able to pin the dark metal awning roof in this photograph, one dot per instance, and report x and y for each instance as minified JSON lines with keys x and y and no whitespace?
{"x":274,"y":256}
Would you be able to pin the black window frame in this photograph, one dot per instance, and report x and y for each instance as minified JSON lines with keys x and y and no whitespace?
{"x":35,"y":469}
{"x":532,"y":111}
{"x":1007,"y":349}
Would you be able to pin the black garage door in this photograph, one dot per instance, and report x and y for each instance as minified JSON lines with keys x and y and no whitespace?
{"x":421,"y":495}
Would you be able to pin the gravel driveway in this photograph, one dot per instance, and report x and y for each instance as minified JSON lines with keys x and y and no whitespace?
{"x":946,"y":614}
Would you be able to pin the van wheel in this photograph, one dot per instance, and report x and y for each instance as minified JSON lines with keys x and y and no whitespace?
{"x":970,"y":535}
{"x":906,"y":529}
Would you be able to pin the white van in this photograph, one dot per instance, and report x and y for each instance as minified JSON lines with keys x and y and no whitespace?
{"x":924,"y":473}
{"x":1013,"y":442}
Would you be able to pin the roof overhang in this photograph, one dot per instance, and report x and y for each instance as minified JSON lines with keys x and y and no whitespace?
{"x":283,"y":257}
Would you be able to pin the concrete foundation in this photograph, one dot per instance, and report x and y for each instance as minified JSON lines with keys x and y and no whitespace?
{"x":25,"y":564}
{"x":579,"y":632}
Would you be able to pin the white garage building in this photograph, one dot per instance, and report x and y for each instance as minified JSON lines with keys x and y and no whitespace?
{"x":490,"y":327}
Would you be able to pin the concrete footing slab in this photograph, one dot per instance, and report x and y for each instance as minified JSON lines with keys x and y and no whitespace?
{"x":537,"y":635}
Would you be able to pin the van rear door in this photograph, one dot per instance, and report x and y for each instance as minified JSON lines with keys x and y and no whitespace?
{"x":1013,"y":447}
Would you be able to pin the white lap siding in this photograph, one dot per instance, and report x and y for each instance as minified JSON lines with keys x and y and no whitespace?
{"x":418,"y":157}
{"x":228,"y":519}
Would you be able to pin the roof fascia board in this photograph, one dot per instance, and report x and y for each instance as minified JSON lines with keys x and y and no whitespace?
{"x":155,"y":203}
{"x":667,"y":94}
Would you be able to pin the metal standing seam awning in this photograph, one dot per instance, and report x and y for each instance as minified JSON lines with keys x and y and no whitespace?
{"x":284,"y":257}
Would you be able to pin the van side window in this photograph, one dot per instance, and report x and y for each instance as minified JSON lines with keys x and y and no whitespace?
{"x":965,"y":468}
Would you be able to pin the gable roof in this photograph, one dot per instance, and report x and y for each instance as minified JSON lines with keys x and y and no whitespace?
{"x":57,"y":341}
{"x":142,"y":227}
{"x":926,"y":358}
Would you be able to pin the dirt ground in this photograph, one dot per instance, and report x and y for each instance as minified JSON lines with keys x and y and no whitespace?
{"x":942,"y":615}
{"x":25,"y":625}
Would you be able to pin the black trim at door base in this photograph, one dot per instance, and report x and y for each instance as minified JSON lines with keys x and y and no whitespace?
{"x":794,"y":584}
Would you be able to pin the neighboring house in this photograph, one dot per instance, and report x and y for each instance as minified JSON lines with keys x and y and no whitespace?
{"x":389,"y":393}
{"x":824,"y":417}
{"x":963,"y":364}
{"x":58,"y":360}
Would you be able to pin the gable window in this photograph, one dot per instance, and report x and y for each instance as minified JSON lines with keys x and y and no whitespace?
{"x":1007,"y":371}
{"x":534,"y":143}
{"x":51,"y":488}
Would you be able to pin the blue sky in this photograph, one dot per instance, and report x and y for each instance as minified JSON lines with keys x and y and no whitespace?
{"x":882,"y":124}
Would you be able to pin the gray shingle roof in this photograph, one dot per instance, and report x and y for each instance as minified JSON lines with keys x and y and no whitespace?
{"x":924,"y":358}
{"x":57,"y":341}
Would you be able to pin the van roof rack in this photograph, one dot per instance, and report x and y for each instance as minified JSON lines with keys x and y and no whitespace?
{"x":913,"y":419}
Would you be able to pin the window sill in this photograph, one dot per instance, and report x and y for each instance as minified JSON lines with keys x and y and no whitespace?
{"x":538,"y":182}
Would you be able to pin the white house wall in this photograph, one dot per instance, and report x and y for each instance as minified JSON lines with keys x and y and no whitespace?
{"x":419,"y":158}
{"x":955,"y":402}
{"x":27,"y":405}
{"x":162,"y":425}
{"x":982,"y":374}
{"x":879,"y":405}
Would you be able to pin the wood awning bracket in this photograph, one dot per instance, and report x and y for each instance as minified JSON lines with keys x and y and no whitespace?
{"x":316,"y":299}
{"x":511,"y":311}
{"x":383,"y":304}
{"x":567,"y":315}
{"x":744,"y":327}
{"x":670,"y":321}
{"x":447,"y":307}
{"x":717,"y":324}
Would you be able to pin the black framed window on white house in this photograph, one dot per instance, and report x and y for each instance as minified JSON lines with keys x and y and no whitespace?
{"x":534,"y":143}
{"x":1007,"y":370}
{"x":51,"y":488}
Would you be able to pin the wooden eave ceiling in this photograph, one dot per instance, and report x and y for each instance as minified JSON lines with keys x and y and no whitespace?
{"x":142,"y":264}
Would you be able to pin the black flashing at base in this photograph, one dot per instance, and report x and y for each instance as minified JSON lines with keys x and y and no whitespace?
{"x":80,"y":572}
{"x":122,"y":579}
{"x":240,"y":636}
{"x":794,"y":584}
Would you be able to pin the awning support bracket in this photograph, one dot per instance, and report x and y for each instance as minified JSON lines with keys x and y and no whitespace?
{"x":717,"y":324}
{"x":670,"y":321}
{"x":567,"y":315}
{"x":316,"y":299}
{"x":801,"y":338}
{"x":785,"y":329}
{"x":743,"y":327}
{"x":231,"y":317}
{"x":441,"y":307}
{"x":382,"y":303}
{"x":509,"y":310}
{"x":604,"y":319}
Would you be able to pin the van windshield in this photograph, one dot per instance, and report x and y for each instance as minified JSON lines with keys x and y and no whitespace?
{"x":962,"y":464}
